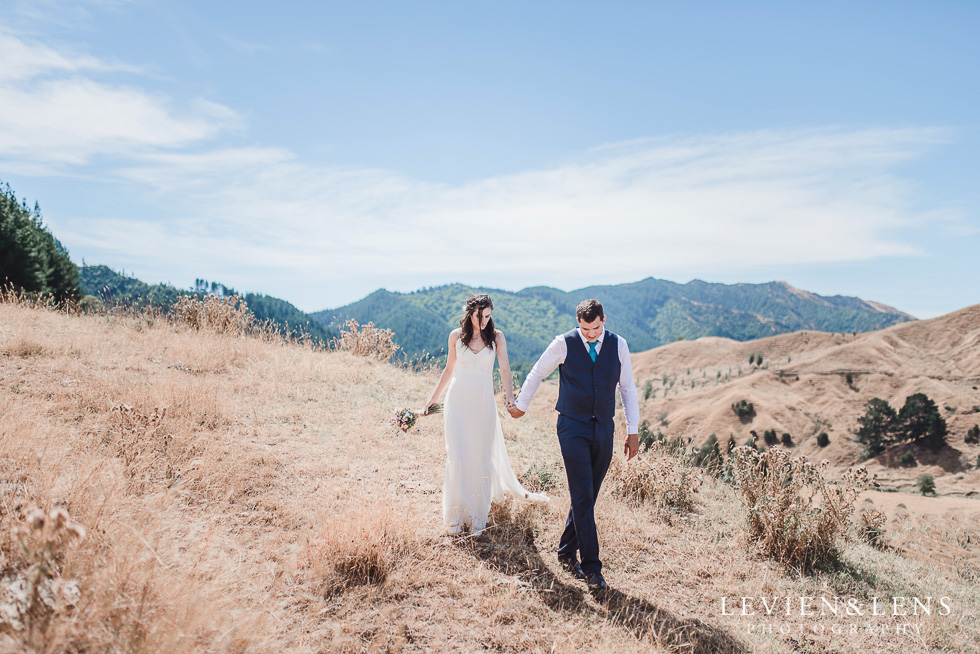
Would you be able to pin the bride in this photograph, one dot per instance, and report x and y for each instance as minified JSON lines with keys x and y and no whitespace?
{"x":477,"y":467}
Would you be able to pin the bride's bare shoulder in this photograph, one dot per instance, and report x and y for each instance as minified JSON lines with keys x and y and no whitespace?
{"x":454,"y":335}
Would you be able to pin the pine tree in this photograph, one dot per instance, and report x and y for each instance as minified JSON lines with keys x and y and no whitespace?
{"x":877,"y":427}
{"x":31,"y":258}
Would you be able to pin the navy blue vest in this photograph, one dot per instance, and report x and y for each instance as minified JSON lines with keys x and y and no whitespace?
{"x":587,"y":389}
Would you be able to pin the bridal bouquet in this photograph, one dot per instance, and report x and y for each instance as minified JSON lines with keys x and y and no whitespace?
{"x":405,"y":419}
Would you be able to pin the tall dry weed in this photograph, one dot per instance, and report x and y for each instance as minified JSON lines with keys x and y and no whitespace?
{"x":795,"y":514}
{"x":32,"y":588}
{"x":872,"y":526}
{"x":221,"y":315}
{"x":366,"y":340}
{"x":658,"y":479}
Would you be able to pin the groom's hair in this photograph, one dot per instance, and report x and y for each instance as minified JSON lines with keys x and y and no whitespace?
{"x":589,"y":311}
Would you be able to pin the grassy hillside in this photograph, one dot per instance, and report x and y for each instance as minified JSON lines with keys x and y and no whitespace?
{"x":648,"y":313}
{"x":802,"y":389}
{"x":113,"y":288}
{"x":242,"y":495}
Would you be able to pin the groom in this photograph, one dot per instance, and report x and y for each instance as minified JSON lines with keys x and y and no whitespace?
{"x":592,"y":363}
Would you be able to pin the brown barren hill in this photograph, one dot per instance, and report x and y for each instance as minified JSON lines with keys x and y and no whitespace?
{"x":802,"y":389}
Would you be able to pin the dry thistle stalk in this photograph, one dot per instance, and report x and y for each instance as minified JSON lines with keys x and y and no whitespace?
{"x":220,"y":315}
{"x":657,"y":478}
{"x":32,"y":589}
{"x":795,"y":514}
{"x":872,"y":526}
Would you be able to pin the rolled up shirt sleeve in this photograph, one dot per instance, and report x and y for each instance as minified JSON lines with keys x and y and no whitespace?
{"x":553,"y":356}
{"x":627,"y":388}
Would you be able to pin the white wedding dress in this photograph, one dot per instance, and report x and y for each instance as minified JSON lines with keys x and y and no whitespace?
{"x":478,"y":470}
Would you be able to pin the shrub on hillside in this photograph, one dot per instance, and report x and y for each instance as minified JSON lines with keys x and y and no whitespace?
{"x":786,"y":440}
{"x":823,"y":440}
{"x":907,"y":459}
{"x":366,"y":340}
{"x":973,"y":436}
{"x":926,"y":484}
{"x":770,"y":437}
{"x":743,"y":408}
{"x":795,"y":514}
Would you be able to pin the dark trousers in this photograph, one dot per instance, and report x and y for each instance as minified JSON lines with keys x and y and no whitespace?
{"x":586,"y":448}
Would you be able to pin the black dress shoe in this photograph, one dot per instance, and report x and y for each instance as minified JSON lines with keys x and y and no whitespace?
{"x":596,"y":582}
{"x":572,"y":566}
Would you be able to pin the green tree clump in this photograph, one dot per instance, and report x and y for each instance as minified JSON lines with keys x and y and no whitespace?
{"x":743,"y":408}
{"x":973,"y":436}
{"x":32,"y":260}
{"x":926,"y":484}
{"x":770,"y":437}
{"x":786,"y":440}
{"x":823,"y":440}
{"x":907,"y":459}
{"x":918,"y":421}
{"x":877,"y":427}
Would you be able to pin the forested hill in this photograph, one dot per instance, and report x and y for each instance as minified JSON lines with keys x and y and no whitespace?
{"x":32,"y":260}
{"x":112,"y":287}
{"x":648,"y":313}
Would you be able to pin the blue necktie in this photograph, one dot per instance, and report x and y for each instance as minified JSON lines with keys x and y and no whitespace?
{"x":592,"y":352}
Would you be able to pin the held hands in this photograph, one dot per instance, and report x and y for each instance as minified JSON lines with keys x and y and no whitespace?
{"x":513,"y":410}
{"x":632,"y":446}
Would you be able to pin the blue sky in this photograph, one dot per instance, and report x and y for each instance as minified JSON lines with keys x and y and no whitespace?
{"x":319,"y":151}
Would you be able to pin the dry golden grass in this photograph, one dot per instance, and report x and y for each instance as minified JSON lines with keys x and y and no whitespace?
{"x":242,"y":494}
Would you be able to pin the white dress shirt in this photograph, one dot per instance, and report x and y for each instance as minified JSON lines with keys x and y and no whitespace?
{"x":555,"y":355}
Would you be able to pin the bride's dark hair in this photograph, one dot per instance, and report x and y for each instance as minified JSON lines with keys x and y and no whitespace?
{"x":477,"y":304}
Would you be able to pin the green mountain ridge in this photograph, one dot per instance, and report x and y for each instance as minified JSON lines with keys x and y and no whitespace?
{"x":648,"y":313}
{"x":114,"y":288}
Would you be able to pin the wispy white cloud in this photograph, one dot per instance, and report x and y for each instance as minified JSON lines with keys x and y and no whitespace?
{"x":616,"y":213}
{"x":25,"y":60}
{"x":52,"y":113}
